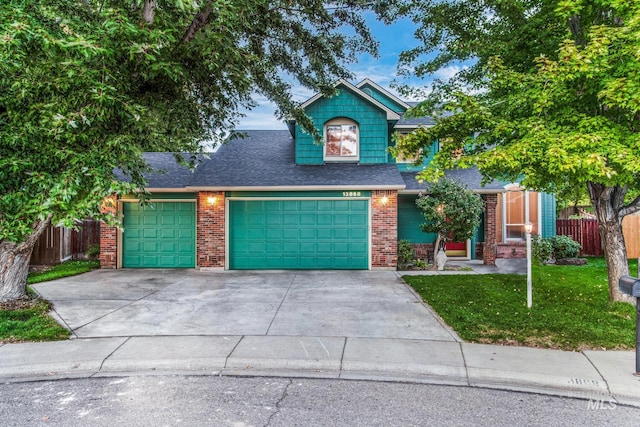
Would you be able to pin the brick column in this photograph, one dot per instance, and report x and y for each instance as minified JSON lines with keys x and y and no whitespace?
{"x":210,"y":230}
{"x":489,"y":251}
{"x":384,"y":229}
{"x":109,"y":235}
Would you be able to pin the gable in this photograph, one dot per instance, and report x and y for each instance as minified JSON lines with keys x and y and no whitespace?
{"x":350,"y":103}
{"x":383,"y":96}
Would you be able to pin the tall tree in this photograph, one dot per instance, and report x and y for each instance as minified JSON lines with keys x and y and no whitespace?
{"x":559,"y":113}
{"x":86,"y":86}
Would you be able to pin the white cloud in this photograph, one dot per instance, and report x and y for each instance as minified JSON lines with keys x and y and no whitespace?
{"x":448,"y":72}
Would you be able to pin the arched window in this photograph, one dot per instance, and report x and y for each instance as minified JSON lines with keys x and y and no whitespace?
{"x":341,"y":140}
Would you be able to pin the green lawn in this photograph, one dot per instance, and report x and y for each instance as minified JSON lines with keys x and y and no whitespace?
{"x":69,"y":268}
{"x":571,"y":308}
{"x":28,"y":319}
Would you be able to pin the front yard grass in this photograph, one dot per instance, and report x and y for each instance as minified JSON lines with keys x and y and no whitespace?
{"x":28,"y":319}
{"x":571,"y":308}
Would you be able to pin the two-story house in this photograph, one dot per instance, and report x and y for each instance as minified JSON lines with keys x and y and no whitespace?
{"x":277,"y":200}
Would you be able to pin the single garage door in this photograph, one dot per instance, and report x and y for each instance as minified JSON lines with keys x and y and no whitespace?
{"x":299,"y":234}
{"x":159,"y":235}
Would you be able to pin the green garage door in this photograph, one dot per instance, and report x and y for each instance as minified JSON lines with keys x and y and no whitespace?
{"x":159,"y":234}
{"x":298,"y":234}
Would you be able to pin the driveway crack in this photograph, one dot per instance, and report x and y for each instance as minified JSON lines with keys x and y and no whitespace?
{"x":282,"y":302}
{"x":279,"y":402}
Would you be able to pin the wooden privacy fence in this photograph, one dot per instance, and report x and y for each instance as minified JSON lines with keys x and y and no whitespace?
{"x":58,"y":244}
{"x":585,"y":232}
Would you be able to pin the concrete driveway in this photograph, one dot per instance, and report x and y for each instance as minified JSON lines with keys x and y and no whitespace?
{"x":114,"y":303}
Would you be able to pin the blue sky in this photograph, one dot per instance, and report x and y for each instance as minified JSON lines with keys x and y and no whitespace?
{"x":383,"y":70}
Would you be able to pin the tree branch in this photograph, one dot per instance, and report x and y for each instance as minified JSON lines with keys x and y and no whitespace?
{"x":149,"y":11}
{"x":632,"y":207}
{"x":199,"y":21}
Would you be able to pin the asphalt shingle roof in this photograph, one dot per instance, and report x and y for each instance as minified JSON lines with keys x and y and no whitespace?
{"x":266,"y":159}
{"x":471,"y":177}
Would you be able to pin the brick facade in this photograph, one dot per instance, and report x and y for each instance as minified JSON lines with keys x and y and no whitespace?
{"x":210,"y":231}
{"x":108,"y":236}
{"x":511,"y":250}
{"x":210,"y":243}
{"x":489,"y":251}
{"x":384,"y":229}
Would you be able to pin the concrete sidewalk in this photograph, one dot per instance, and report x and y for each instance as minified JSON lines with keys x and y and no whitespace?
{"x":351,"y":325}
{"x":594,"y":375}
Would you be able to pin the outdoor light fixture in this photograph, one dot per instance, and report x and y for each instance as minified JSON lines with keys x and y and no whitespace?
{"x":528,"y":228}
{"x":385,"y":199}
{"x":212,"y":200}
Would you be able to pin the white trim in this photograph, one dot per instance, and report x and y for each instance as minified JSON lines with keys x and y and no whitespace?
{"x":120,"y":240}
{"x":539,"y":213}
{"x":297,"y":198}
{"x":504,"y":217}
{"x":475,"y":191}
{"x":383,"y":91}
{"x":370,"y":233}
{"x":341,"y":121}
{"x":412,"y":127}
{"x":167,"y":190}
{"x":158,"y":200}
{"x":391,"y":115}
{"x":302,"y":188}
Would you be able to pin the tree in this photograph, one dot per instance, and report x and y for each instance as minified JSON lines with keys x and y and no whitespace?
{"x":451,"y":210}
{"x":86,"y":86}
{"x":555,"y":120}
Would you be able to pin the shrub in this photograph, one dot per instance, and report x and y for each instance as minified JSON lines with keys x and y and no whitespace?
{"x":405,"y":254}
{"x":93,"y":252}
{"x":541,"y":249}
{"x":564,"y":247}
{"x":555,"y":247}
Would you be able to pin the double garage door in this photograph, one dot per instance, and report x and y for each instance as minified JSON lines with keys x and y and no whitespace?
{"x":262,"y":234}
{"x":299,"y":234}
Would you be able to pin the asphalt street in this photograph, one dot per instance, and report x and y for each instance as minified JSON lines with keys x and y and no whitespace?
{"x":261,"y":401}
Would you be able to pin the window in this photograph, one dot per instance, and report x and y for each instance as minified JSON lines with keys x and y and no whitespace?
{"x":519,"y":208}
{"x":412,"y":158}
{"x":341,"y":140}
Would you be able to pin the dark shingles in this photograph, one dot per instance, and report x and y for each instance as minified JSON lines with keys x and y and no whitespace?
{"x":265,"y":159}
{"x":470,"y":177}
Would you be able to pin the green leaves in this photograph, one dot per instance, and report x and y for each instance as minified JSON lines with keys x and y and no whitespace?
{"x":88,"y":86}
{"x":451,"y":210}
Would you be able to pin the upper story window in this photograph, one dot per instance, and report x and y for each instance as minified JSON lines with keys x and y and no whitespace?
{"x":410,"y":158}
{"x":342,"y":140}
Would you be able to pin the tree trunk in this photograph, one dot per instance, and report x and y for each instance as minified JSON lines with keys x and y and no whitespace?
{"x":14,"y":264}
{"x":607,"y":203}
{"x":436,"y":249}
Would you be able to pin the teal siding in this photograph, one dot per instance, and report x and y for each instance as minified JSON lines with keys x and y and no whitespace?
{"x":383,"y":99}
{"x":548,"y":210}
{"x":410,"y":167}
{"x":372,"y":126}
{"x":409,"y":220}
